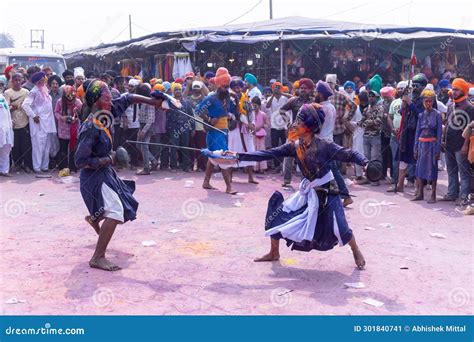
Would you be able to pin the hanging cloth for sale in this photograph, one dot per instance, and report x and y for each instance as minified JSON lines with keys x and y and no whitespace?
{"x":182,"y":64}
{"x":168,"y":73}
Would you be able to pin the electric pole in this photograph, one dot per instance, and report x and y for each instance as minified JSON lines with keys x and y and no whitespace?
{"x":130,"y":25}
{"x":271,"y":9}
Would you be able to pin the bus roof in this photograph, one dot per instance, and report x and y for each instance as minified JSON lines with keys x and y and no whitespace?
{"x":26,"y":52}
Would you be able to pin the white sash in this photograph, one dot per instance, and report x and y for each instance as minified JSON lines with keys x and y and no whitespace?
{"x":302,"y":227}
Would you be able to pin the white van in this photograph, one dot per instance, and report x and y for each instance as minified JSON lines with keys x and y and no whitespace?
{"x":25,"y":57}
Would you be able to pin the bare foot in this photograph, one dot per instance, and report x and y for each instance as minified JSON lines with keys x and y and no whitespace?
{"x":417,"y":198}
{"x":94,"y":225}
{"x":231,"y":192}
{"x":253,"y":181}
{"x":359,"y":259}
{"x":431,"y":200}
{"x":268,"y":257}
{"x":208,"y":186}
{"x":347,"y":201}
{"x":103,"y":264}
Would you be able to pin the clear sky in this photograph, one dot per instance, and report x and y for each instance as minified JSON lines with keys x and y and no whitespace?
{"x":87,"y":23}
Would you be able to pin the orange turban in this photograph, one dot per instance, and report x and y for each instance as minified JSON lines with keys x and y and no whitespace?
{"x":222,"y":77}
{"x":285,"y":89}
{"x":159,"y":87}
{"x":277,"y":84}
{"x":296,"y":84}
{"x":80,"y":92}
{"x":462,"y":85}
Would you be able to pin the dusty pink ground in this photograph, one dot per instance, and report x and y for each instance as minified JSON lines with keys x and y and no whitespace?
{"x":207,"y":267}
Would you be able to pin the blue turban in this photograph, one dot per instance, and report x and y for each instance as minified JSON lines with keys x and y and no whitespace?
{"x":266,"y":89}
{"x":37,"y":76}
{"x":324,"y":89}
{"x":237,"y":83}
{"x":349,"y":84}
{"x":209,"y":74}
{"x":250,"y":79}
{"x":443,"y":83}
{"x":167,"y":85}
{"x":311,"y":117}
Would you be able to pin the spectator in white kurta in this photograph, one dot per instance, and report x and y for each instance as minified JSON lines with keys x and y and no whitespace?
{"x":39,"y":109}
{"x":6,"y":137}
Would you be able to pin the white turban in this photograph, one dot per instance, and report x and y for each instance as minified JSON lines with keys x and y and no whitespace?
{"x":78,"y":71}
{"x":331,"y":78}
{"x":134,"y":82}
{"x":197,"y":84}
{"x":429,"y":86}
{"x":402,"y":84}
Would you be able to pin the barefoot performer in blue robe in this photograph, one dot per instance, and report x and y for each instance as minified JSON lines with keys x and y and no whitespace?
{"x":313,"y":217}
{"x":107,"y":197}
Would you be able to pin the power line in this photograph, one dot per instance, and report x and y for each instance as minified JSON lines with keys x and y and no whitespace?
{"x":142,"y":28}
{"x":347,"y":10}
{"x":250,"y":10}
{"x":112,"y":40}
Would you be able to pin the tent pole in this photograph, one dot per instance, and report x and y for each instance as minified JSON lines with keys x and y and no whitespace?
{"x":281,"y":59}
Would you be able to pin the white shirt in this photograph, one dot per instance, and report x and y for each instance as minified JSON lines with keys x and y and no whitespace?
{"x":277,"y":121}
{"x":129,"y":114}
{"x":6,"y":127}
{"x":329,"y":121}
{"x":254,"y":92}
{"x":36,"y":104}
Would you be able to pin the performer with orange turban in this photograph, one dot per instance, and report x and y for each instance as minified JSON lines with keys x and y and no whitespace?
{"x":458,"y":117}
{"x":214,"y":109}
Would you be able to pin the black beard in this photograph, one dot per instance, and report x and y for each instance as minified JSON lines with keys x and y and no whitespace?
{"x":70,"y":82}
{"x":417,"y":92}
{"x":317,"y":98}
{"x":222,"y":94}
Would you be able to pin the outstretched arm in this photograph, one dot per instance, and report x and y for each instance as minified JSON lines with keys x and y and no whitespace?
{"x":147,"y":100}
{"x":286,"y":150}
{"x":336,"y":152}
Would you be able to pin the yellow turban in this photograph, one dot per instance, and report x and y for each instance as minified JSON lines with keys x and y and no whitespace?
{"x":176,"y":85}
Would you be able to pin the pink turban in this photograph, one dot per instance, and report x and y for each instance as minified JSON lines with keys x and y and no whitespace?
{"x":387,"y":92}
